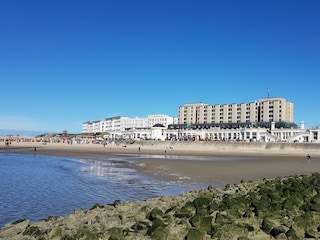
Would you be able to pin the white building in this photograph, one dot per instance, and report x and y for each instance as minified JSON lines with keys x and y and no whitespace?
{"x":255,"y":134}
{"x":162,"y":119}
{"x":120,"y":123}
{"x":158,"y":132}
{"x":87,"y":127}
{"x":117,"y":130}
{"x":269,"y":120}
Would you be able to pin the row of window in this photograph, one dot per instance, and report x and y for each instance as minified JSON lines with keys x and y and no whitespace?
{"x":229,"y":110}
{"x":186,"y":110}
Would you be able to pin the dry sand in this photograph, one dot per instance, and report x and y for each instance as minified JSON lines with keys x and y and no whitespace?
{"x":196,"y":165}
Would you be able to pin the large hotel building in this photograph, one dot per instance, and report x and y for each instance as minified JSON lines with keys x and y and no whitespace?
{"x":270,"y":119}
{"x":235,"y":115}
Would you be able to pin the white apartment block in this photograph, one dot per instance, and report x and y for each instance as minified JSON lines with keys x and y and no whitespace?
{"x":87,"y":127}
{"x":119,"y":123}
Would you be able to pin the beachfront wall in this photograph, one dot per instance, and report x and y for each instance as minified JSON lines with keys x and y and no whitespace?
{"x":235,"y":147}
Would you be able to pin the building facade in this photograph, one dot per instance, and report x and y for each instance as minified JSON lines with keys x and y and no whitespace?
{"x":267,"y":120}
{"x":266,"y":110}
{"x":120,"y":123}
{"x":250,"y":134}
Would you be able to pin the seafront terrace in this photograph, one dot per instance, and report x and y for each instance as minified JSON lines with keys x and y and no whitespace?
{"x":217,"y":134}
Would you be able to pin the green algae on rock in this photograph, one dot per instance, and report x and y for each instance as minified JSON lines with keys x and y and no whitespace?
{"x":280,"y":208}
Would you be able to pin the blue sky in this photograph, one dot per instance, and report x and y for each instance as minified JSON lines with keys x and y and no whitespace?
{"x":66,"y":62}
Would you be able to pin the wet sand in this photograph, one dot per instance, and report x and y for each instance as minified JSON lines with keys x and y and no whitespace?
{"x":230,"y":169}
{"x":208,"y":167}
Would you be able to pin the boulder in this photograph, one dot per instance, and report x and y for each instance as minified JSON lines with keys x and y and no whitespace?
{"x":195,"y":234}
{"x":295,"y":232}
{"x":202,"y":223}
{"x":12,"y":229}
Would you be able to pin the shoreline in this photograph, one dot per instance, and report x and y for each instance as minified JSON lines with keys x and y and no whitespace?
{"x":196,"y":164}
{"x":249,"y":174}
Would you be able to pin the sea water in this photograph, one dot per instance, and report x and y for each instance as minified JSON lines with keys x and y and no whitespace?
{"x":35,"y":186}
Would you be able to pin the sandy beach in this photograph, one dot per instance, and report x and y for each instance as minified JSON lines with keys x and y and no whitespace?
{"x":196,"y":164}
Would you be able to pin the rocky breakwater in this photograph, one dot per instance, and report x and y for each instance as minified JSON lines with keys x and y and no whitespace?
{"x":281,"y":208}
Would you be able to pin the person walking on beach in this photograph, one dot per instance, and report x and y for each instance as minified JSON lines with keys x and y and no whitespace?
{"x":308,"y":158}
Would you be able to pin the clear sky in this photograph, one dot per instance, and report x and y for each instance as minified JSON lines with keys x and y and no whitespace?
{"x":63,"y":63}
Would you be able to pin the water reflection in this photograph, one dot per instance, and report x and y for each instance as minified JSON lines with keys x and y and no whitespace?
{"x":198,"y":158}
{"x":112,"y":169}
{"x":36,"y":187}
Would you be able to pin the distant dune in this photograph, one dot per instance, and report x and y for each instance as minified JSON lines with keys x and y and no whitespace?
{"x":26,"y":133}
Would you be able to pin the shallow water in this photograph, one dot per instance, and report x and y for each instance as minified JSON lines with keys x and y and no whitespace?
{"x":35,"y":187}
